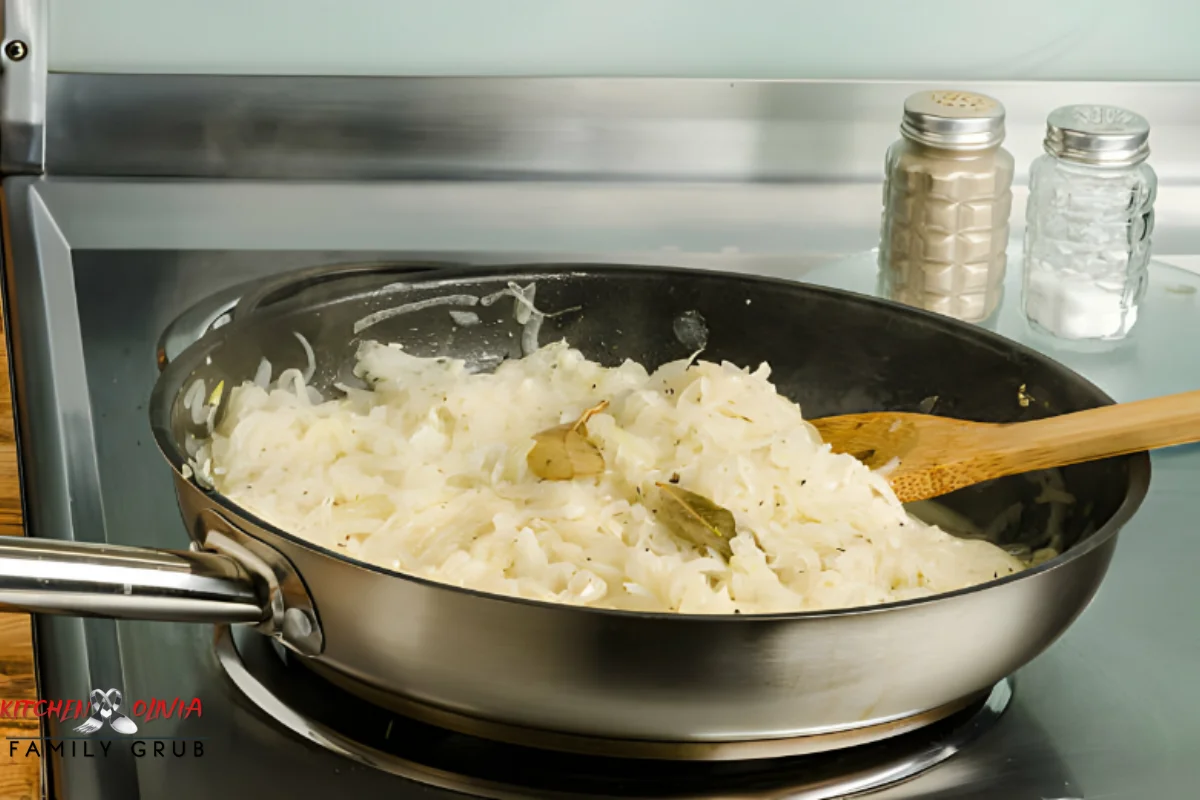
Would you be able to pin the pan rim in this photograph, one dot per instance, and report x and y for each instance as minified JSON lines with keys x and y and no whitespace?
{"x":177,"y":370}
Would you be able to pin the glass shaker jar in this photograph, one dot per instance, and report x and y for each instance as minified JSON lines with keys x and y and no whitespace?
{"x":947,"y":195}
{"x":1088,"y":224}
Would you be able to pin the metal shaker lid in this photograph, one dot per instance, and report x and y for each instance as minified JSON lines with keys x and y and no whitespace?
{"x":953,"y":120}
{"x":1098,"y":135}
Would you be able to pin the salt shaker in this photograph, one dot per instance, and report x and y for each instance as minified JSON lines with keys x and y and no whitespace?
{"x":1088,"y":224}
{"x":946,"y":200}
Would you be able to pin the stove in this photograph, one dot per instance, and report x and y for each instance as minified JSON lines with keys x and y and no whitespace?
{"x":282,"y":689}
{"x":152,"y":192}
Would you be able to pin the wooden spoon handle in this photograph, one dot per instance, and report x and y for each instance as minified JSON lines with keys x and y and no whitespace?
{"x":1099,"y":433}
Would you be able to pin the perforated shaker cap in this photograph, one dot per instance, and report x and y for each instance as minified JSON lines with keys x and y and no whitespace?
{"x":1103,"y":136}
{"x":953,"y":120}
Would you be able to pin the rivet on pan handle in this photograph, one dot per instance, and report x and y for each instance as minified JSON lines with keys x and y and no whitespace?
{"x":233,"y":579}
{"x":292,"y":618}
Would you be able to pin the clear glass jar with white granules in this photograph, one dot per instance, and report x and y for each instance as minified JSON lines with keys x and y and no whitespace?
{"x":1089,"y":223}
{"x":946,"y":201}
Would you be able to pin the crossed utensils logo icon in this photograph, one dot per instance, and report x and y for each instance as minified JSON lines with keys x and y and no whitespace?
{"x":106,"y":707}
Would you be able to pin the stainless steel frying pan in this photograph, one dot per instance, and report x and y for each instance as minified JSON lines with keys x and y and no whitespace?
{"x":597,"y":673}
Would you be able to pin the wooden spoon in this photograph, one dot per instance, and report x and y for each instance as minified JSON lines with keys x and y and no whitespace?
{"x":937,"y":455}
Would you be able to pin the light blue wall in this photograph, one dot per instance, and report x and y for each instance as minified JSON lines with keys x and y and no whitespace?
{"x":917,"y":39}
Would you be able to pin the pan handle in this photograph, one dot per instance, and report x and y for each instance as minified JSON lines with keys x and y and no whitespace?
{"x":46,"y":576}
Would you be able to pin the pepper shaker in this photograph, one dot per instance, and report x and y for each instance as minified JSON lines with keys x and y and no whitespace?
{"x":946,"y":201}
{"x":1088,"y":224}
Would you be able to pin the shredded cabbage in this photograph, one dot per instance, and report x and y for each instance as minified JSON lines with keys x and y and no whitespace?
{"x":427,"y":475}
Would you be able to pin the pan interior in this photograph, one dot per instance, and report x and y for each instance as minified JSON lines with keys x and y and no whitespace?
{"x":831,"y":352}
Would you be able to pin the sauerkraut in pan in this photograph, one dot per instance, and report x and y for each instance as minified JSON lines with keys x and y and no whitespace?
{"x":696,"y":488}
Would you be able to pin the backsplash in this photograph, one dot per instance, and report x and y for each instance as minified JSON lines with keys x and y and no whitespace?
{"x":851,"y":39}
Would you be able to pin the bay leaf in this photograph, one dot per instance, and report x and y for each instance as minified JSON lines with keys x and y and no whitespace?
{"x":563,"y":453}
{"x":697,"y":519}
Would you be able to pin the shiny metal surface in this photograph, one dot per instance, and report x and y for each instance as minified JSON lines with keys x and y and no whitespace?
{"x":288,"y":613}
{"x":100,"y":267}
{"x":953,"y":120}
{"x":859,"y":669}
{"x":524,"y":668}
{"x":1098,"y":712}
{"x":286,"y":696}
{"x":23,"y":86}
{"x":238,"y":580}
{"x":1098,"y":135}
{"x":644,"y":749}
{"x":594,"y":673}
{"x":256,"y":127}
{"x":102,"y":580}
{"x":195,"y":322}
{"x":519,"y":664}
